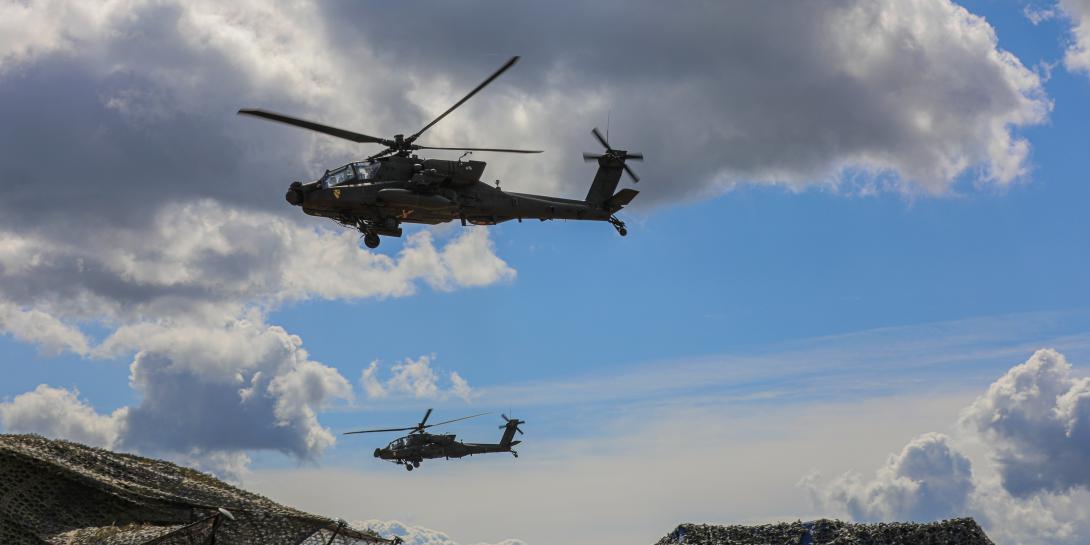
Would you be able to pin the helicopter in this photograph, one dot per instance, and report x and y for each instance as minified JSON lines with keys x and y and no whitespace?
{"x":395,"y":186}
{"x":419,"y":445}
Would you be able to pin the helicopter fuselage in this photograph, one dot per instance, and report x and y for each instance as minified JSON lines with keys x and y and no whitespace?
{"x":394,"y":186}
{"x":418,"y":446}
{"x":428,"y":191}
{"x":424,"y":446}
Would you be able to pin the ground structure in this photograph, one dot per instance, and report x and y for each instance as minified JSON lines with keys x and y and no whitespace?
{"x":63,"y":493}
{"x":963,"y":531}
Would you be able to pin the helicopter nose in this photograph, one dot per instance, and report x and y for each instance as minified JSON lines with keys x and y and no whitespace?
{"x":378,"y":453}
{"x":294,"y":197}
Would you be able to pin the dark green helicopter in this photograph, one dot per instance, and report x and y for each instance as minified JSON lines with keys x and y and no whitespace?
{"x":420,"y":445}
{"x":396,"y":186}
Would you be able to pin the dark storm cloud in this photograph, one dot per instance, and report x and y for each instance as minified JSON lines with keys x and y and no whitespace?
{"x":84,"y":150}
{"x":140,"y":111}
{"x":721,"y":92}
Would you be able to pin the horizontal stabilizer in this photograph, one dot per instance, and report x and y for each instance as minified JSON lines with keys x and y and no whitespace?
{"x":621,"y":199}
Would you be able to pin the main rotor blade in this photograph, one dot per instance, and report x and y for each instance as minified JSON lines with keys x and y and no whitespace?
{"x":425,"y":420}
{"x":601,"y":139}
{"x":484,"y":83}
{"x":376,"y":431}
{"x":483,"y":149}
{"x":455,"y":420}
{"x":332,"y":131}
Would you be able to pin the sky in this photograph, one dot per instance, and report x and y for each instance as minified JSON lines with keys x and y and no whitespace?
{"x":854,"y":282}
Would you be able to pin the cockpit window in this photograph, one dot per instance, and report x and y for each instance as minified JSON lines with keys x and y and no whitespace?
{"x":337,"y":177}
{"x":367,"y":171}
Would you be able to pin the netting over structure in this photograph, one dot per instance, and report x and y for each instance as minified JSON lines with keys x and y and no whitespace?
{"x":63,"y":493}
{"x":964,"y":531}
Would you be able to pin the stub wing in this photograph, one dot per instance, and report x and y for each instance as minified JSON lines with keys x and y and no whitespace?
{"x":621,"y":199}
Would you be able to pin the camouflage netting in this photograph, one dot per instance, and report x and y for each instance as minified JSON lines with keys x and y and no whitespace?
{"x":62,"y":493}
{"x":832,"y":532}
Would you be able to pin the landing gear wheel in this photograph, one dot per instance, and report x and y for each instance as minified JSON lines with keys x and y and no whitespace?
{"x":371,"y":240}
{"x":416,"y":463}
{"x":618,"y":225}
{"x":408,"y":467}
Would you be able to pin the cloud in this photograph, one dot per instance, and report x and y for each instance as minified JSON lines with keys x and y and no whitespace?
{"x":60,"y":413}
{"x":134,"y":100}
{"x":246,"y":386}
{"x":186,"y":298}
{"x":1031,"y":485}
{"x":414,"y":378}
{"x":1077,"y":57}
{"x":912,"y":95}
{"x":144,"y":210}
{"x":36,"y":327}
{"x":417,"y":535}
{"x":207,"y":395}
{"x":626,"y":476}
{"x":927,"y":480}
{"x":1037,"y":417}
{"x":204,"y":257}
{"x":1038,"y":15}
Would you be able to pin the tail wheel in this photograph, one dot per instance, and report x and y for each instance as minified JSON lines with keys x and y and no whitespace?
{"x":618,"y":225}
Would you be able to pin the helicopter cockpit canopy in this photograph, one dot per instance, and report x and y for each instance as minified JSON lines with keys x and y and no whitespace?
{"x":352,"y":173}
{"x":397,"y":444}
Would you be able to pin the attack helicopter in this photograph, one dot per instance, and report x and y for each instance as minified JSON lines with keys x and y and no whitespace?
{"x":395,"y":186}
{"x":419,"y":445}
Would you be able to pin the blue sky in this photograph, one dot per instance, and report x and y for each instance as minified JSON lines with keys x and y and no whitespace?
{"x":837,"y":289}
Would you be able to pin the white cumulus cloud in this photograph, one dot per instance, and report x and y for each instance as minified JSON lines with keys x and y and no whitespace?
{"x":418,"y":535}
{"x":1032,"y":485}
{"x":1077,"y":57}
{"x":60,"y":413}
{"x":52,"y":335}
{"x":1037,"y":417}
{"x":416,"y":378}
{"x":926,"y":481}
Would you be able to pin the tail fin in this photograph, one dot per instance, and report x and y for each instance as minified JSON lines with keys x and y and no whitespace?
{"x":509,"y":430}
{"x":610,"y":165}
{"x":605,"y":180}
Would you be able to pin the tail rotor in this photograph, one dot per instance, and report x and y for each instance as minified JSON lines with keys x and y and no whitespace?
{"x":512,"y":421}
{"x":613,"y":155}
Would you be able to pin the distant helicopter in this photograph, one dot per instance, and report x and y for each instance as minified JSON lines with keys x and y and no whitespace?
{"x":420,"y":445}
{"x":378,"y":194}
